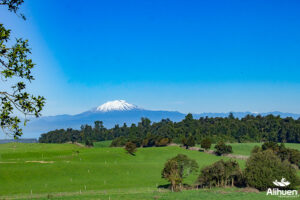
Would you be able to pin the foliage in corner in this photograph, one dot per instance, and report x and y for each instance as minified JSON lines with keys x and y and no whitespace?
{"x":15,"y":72}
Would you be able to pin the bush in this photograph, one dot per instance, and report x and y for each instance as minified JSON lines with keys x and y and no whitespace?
{"x":264,"y":167}
{"x":178,"y":168}
{"x":162,"y":142}
{"x":206,"y":143}
{"x":220,"y":174}
{"x":270,"y":145}
{"x":130,"y":148}
{"x":222,"y":148}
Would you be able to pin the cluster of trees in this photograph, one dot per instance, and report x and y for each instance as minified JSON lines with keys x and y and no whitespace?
{"x":178,"y":168}
{"x":265,"y":165}
{"x":229,"y":129}
{"x":220,"y":174}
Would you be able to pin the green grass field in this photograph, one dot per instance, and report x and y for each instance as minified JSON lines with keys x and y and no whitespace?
{"x":71,"y":171}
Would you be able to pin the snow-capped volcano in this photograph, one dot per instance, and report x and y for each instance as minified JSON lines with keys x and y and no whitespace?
{"x":117,"y":105}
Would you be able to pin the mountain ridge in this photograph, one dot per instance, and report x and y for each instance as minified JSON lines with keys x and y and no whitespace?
{"x":119,"y":112}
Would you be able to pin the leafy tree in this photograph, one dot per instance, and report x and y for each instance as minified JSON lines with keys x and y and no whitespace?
{"x":222,"y":148}
{"x":15,"y":72}
{"x":264,"y":167}
{"x":171,"y":174}
{"x":206,"y":143}
{"x":190,"y":142}
{"x":178,"y":168}
{"x":130,"y":148}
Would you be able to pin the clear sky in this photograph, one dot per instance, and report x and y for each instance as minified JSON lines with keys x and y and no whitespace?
{"x":190,"y":56}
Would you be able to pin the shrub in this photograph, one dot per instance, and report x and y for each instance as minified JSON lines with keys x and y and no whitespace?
{"x":220,"y":174}
{"x":130,"y":148}
{"x":222,"y":148}
{"x":264,"y":167}
{"x":206,"y":143}
{"x":178,"y":168}
{"x":270,"y":145}
{"x":162,"y":142}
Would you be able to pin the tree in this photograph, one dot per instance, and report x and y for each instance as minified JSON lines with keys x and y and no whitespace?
{"x":190,"y":142}
{"x":171,"y":174}
{"x":222,"y":148}
{"x":130,"y":148}
{"x":178,"y":168}
{"x":15,"y":71}
{"x":206,"y":143}
{"x":264,"y":167}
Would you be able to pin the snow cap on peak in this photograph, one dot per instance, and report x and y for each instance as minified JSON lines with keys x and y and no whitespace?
{"x":117,"y":105}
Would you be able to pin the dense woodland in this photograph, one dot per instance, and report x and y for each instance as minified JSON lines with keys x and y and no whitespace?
{"x":229,"y":129}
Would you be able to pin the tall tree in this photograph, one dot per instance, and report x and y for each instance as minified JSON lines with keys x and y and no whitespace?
{"x":15,"y":72}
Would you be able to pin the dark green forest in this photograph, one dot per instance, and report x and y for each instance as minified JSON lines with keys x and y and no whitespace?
{"x":228,"y":129}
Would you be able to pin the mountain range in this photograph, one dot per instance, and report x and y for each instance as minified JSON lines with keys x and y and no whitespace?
{"x":118,"y":112}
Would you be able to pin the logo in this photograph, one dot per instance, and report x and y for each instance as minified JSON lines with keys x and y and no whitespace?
{"x":282,"y":192}
{"x":282,"y":183}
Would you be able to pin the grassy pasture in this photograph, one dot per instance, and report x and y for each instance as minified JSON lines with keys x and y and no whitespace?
{"x":36,"y":170}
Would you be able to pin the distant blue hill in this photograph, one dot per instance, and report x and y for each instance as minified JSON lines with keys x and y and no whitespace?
{"x":117,"y":112}
{"x":44,"y":124}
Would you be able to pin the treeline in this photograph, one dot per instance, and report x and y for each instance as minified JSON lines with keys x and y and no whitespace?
{"x":229,"y":129}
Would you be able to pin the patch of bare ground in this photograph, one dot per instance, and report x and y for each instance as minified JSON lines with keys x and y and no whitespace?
{"x":173,"y":144}
{"x":76,"y":143}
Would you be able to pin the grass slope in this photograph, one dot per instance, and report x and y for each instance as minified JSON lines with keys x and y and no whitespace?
{"x":90,"y":169}
{"x":95,"y":172}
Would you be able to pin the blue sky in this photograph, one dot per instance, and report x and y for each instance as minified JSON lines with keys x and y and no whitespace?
{"x":189,"y":56}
